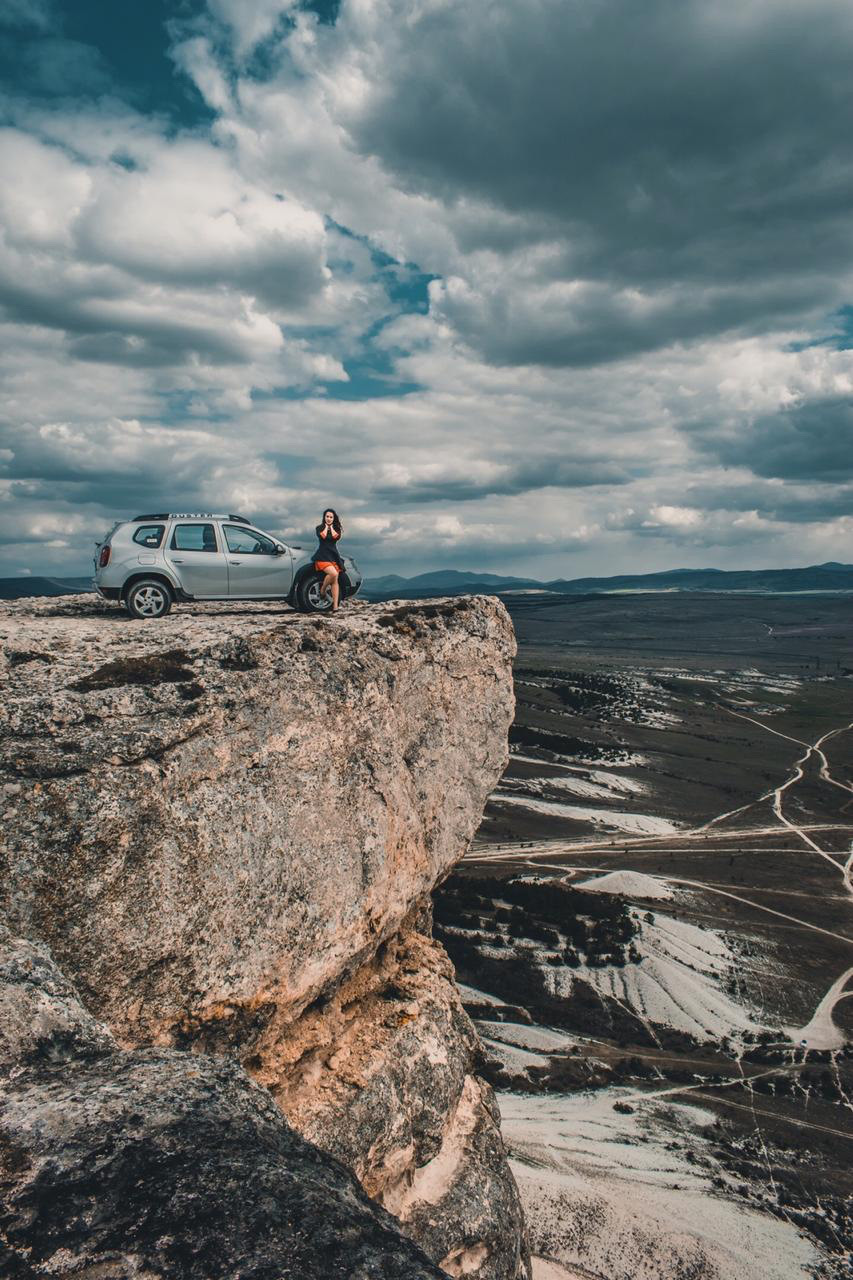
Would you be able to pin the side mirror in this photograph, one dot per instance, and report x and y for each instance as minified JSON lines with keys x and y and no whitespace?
{"x":279,"y":549}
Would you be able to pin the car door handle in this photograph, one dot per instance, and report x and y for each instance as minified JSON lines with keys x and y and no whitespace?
{"x":235,"y":561}
{"x":175,"y":560}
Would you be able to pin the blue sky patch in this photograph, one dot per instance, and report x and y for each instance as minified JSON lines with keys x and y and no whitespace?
{"x":91,"y":49}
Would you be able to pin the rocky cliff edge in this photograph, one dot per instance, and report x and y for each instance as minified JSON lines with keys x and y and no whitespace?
{"x":225,"y":826}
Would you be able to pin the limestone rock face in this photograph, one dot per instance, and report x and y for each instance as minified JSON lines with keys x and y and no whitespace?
{"x":383,"y":1075}
{"x":155,"y":1163}
{"x":226,"y":825}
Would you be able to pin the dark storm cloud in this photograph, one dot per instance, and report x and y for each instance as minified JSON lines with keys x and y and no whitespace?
{"x":131,"y":339}
{"x":586,"y":324}
{"x":795,"y":503}
{"x":39,"y":471}
{"x":640,"y":126}
{"x":85,"y":478}
{"x":672,"y":145}
{"x":118,"y":465}
{"x":810,"y":441}
{"x":511,"y":478}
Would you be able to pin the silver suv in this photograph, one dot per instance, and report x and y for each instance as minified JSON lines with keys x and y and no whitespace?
{"x":152,"y":561}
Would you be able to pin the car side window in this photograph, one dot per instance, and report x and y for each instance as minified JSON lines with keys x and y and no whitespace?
{"x":149,"y":535}
{"x":193,"y":537}
{"x":247,"y":542}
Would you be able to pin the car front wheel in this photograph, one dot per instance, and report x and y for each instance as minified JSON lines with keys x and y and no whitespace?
{"x":149,"y":599}
{"x":309,"y":597}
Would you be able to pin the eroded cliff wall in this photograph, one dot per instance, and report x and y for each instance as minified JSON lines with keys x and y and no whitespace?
{"x":225,"y":826}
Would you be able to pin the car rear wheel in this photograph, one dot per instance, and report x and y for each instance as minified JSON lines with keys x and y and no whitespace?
{"x":149,"y":599}
{"x":309,"y":597}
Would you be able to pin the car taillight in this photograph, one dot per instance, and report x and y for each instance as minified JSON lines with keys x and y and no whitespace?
{"x":104,"y":557}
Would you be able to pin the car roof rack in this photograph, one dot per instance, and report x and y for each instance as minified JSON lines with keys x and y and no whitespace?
{"x":190,"y":515}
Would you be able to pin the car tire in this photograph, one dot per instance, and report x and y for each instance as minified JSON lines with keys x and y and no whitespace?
{"x":308,"y":597}
{"x":148,"y":598}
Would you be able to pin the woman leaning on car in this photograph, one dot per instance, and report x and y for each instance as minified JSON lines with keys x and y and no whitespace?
{"x":327,"y":558}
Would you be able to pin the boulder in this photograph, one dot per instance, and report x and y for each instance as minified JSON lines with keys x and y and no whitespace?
{"x":155,"y":1163}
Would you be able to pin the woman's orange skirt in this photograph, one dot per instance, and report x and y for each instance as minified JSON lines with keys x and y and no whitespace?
{"x":327,"y":566}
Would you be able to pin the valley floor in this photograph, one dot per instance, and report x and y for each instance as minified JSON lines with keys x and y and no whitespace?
{"x":672,"y":1042}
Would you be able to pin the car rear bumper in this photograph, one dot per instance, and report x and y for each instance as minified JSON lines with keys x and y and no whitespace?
{"x":109,"y":593}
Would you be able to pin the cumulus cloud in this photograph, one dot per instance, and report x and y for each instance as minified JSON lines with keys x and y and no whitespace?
{"x":251,"y":21}
{"x":175,"y":259}
{"x":188,"y":218}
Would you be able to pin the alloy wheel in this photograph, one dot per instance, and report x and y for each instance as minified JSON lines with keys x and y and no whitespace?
{"x":316,"y":600}
{"x":150,"y":601}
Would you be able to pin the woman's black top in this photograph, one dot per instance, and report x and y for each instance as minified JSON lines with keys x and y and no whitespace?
{"x":327,"y":548}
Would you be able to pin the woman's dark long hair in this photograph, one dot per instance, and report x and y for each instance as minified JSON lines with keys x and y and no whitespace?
{"x":336,"y":521}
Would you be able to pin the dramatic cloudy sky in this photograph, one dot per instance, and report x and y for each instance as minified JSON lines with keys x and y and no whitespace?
{"x":541,"y":286}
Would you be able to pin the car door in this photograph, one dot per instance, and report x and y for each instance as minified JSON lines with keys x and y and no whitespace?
{"x":256,"y":568}
{"x":198,"y":559}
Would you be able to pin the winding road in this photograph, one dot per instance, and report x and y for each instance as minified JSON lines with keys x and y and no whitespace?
{"x":821,"y":1031}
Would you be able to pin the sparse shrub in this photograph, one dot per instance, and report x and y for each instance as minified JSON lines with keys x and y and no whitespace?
{"x":542,"y":933}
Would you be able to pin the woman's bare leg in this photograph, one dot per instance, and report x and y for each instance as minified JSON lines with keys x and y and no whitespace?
{"x":328,"y":579}
{"x":336,"y":592}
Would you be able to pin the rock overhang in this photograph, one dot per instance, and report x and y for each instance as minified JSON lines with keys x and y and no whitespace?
{"x":224,"y":812}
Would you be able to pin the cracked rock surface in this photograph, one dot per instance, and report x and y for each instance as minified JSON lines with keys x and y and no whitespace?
{"x":226,"y":825}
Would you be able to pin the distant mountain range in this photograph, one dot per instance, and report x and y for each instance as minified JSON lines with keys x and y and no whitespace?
{"x":451,"y":582}
{"x":442,"y":579}
{"x":820,"y":577}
